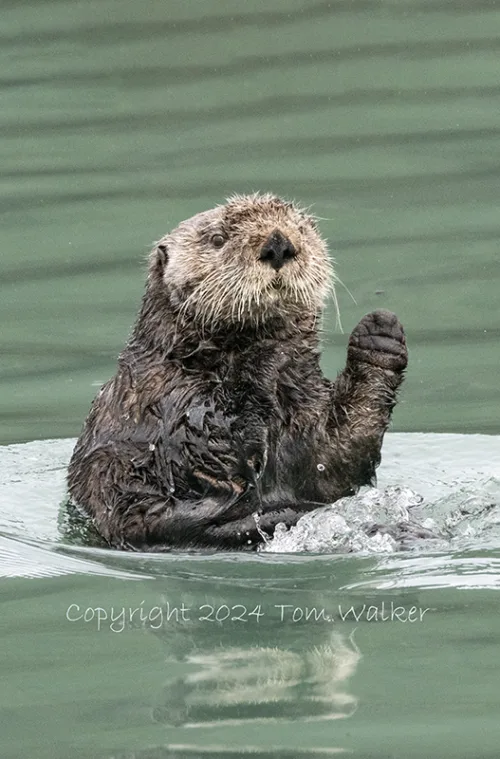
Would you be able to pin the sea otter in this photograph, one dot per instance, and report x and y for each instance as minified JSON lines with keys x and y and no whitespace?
{"x":219,"y":423}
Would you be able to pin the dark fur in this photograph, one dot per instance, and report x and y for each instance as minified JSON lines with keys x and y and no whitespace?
{"x":197,"y":432}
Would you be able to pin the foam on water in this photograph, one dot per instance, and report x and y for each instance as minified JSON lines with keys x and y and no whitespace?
{"x":453,"y":501}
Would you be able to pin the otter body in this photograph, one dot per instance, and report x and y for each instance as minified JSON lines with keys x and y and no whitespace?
{"x":219,"y":423}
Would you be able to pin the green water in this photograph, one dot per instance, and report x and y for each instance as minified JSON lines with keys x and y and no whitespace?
{"x":119,"y":119}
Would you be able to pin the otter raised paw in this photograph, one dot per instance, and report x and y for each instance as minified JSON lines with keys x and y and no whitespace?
{"x":379,"y":340}
{"x":365,"y":393}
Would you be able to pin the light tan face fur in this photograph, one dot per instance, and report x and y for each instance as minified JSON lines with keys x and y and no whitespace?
{"x":230,"y":283}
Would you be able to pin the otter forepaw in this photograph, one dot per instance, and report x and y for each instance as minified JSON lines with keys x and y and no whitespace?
{"x":378,"y":340}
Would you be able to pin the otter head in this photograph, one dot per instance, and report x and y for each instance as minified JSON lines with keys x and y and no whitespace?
{"x":243,"y":263}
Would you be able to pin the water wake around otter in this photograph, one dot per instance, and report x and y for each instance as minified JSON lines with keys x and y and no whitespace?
{"x":446,"y":488}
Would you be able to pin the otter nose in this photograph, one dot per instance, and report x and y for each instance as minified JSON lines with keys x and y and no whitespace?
{"x":277,"y":250}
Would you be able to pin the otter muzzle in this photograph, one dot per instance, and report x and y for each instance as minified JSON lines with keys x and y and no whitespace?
{"x":277,"y":250}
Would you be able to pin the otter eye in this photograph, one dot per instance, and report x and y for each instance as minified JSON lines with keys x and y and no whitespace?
{"x":218,"y":240}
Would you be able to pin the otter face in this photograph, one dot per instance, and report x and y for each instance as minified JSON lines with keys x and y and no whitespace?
{"x":255,"y":258}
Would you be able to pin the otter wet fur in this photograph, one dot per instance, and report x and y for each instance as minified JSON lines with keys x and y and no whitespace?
{"x":219,"y":423}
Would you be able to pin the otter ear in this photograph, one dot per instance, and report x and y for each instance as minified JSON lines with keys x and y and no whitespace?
{"x":162,"y":254}
{"x":158,"y":260}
